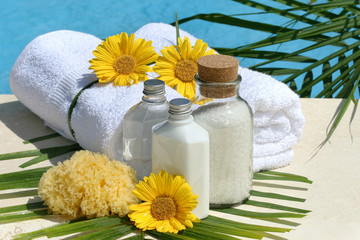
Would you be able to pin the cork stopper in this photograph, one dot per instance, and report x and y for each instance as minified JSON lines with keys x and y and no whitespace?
{"x":218,"y":76}
{"x":218,"y":68}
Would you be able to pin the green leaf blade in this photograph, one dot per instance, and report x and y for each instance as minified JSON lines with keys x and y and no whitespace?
{"x":224,"y":229}
{"x":22,"y":179}
{"x":51,"y":153}
{"x":276,"y":196}
{"x":11,"y":218}
{"x":21,"y":154}
{"x":262,"y":176}
{"x":245,"y":226}
{"x":22,"y":207}
{"x":260,"y":215}
{"x":42,"y":138}
{"x":109,"y":233}
{"x":25,"y":193}
{"x":275,"y":206}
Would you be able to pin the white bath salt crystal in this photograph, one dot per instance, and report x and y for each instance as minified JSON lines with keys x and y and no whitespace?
{"x":229,"y":124}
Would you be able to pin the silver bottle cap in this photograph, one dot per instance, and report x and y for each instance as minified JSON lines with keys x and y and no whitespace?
{"x":180,"y":106}
{"x":154,"y":87}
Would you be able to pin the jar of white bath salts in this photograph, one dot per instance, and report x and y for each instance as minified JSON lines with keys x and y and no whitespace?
{"x":229,"y":122}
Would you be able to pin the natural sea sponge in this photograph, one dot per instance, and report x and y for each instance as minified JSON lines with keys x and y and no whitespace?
{"x":89,"y":184}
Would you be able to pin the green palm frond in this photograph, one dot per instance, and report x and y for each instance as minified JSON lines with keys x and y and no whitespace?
{"x":333,"y":25}
{"x":114,"y":227}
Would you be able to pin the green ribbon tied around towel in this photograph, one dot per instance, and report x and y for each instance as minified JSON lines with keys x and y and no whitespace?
{"x":73,"y":104}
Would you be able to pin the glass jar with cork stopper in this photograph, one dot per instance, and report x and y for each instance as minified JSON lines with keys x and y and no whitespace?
{"x":229,"y":121}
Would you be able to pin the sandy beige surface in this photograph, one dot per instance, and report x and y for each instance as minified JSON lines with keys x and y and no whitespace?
{"x":333,"y":198}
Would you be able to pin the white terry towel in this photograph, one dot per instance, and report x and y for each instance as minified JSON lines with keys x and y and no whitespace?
{"x":49,"y":73}
{"x":53,"y":68}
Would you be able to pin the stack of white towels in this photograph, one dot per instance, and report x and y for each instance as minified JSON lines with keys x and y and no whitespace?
{"x":53,"y":68}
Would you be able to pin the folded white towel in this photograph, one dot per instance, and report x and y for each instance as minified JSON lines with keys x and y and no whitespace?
{"x":53,"y":68}
{"x":278,"y":118}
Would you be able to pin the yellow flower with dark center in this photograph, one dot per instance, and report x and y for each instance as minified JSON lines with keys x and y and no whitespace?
{"x":123,"y":59}
{"x":167,"y":206}
{"x":178,"y":66}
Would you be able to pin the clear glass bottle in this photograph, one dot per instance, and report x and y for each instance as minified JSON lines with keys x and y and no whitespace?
{"x":229,"y":121}
{"x":137,"y":125}
{"x":181,"y":147}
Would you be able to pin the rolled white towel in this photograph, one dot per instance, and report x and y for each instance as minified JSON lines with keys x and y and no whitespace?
{"x":49,"y":73}
{"x":53,"y":68}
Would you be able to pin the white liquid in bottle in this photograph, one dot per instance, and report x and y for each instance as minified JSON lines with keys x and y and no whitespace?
{"x":181,"y":147}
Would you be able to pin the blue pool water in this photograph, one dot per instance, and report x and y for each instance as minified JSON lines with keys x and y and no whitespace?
{"x":22,"y":21}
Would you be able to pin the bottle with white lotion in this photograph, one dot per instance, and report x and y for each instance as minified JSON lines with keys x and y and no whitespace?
{"x":181,"y":147}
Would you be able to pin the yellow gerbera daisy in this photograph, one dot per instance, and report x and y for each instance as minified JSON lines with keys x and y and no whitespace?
{"x":123,"y":59}
{"x":177,"y":67}
{"x":168,"y":204}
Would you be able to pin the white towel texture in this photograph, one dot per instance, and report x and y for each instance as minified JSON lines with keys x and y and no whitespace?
{"x":53,"y":68}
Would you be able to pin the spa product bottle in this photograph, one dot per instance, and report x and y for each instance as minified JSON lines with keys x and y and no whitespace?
{"x":228,"y":119}
{"x":137,"y":125}
{"x":181,"y":147}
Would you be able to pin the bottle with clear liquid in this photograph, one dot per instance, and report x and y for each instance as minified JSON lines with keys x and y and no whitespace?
{"x":181,"y":147}
{"x":137,"y":125}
